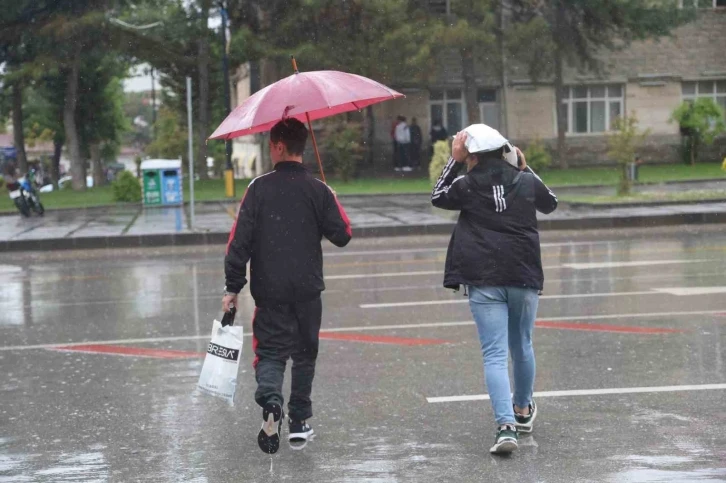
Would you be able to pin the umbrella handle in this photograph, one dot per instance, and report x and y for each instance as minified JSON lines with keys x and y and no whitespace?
{"x":315,"y":146}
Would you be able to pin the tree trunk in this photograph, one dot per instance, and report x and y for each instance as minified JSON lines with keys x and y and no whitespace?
{"x":370,"y":135}
{"x":99,"y":178}
{"x":78,"y":165}
{"x":561,"y":108}
{"x":55,"y":163}
{"x":18,"y":134}
{"x":470,"y":98}
{"x":203,"y":111}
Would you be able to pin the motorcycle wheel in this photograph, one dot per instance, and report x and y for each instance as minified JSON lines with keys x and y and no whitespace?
{"x":22,"y":205}
{"x":38,"y":206}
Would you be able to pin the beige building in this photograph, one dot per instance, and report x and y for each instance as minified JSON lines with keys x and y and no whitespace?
{"x":648,"y":78}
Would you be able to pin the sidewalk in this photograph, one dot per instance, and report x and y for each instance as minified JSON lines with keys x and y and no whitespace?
{"x":394,"y":215}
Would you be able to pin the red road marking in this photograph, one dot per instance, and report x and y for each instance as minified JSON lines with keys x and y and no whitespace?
{"x":120,"y":350}
{"x":380,"y":339}
{"x":605,"y":328}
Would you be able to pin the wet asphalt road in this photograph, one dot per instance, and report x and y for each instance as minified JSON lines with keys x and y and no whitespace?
{"x":621,"y":310}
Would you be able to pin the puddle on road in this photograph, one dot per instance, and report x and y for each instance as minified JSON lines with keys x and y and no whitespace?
{"x":86,"y":467}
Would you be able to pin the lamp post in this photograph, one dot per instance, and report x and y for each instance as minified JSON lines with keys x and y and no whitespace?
{"x":228,"y":170}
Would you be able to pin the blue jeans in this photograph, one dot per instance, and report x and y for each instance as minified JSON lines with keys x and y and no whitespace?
{"x":504,"y":317}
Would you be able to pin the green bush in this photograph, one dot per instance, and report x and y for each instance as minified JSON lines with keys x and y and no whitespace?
{"x":623,"y":145}
{"x":126,"y":188}
{"x":344,"y":148}
{"x":442,"y":152}
{"x":2,"y":180}
{"x":700,"y":121}
{"x":538,"y":156}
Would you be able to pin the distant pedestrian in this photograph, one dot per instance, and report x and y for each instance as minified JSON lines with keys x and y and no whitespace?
{"x":403,"y":141}
{"x":438,"y":133}
{"x":416,"y":141}
{"x":495,"y":253}
{"x":283,"y":216}
{"x":393,"y":141}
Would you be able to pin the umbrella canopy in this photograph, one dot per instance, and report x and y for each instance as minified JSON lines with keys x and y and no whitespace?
{"x":305,"y":96}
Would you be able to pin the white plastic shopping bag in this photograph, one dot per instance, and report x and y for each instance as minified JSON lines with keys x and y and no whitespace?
{"x":219,"y":372}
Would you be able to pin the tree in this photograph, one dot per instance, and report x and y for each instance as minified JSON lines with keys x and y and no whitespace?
{"x":701,"y":121}
{"x":623,"y":145}
{"x":100,"y":110}
{"x":578,"y":30}
{"x":44,"y":108}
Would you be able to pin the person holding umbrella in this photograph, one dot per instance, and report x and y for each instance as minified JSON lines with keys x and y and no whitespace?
{"x":495,"y":253}
{"x":282,"y":219}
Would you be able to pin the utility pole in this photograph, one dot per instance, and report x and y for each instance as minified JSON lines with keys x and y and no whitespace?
{"x":503,"y":71}
{"x":153,"y":105}
{"x":228,"y":170}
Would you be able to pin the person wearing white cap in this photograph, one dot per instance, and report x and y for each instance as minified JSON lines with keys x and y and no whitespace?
{"x":495,"y":253}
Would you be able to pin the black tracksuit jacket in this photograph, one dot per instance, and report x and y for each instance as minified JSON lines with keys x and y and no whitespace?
{"x":282,"y":219}
{"x":495,"y":241}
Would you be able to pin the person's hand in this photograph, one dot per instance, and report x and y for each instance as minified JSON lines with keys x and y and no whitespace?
{"x":522,"y":159}
{"x":458,"y":147}
{"x":227,"y":300}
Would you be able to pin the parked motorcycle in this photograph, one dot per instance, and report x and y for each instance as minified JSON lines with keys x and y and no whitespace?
{"x":25,"y":196}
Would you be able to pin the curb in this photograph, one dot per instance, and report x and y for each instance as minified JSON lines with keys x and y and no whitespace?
{"x":221,"y":238}
{"x":637,"y":204}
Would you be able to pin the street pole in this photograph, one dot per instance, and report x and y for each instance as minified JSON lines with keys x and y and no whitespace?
{"x":228,"y":170}
{"x":503,"y":106}
{"x":153,"y":105}
{"x":191,"y":153}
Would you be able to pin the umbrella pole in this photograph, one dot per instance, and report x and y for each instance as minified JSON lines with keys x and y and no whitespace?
{"x":315,"y":146}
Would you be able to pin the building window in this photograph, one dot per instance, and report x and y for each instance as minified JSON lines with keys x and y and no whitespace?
{"x":715,"y":90}
{"x":448,"y":107}
{"x":489,"y":107}
{"x":703,"y":3}
{"x":593,"y":109}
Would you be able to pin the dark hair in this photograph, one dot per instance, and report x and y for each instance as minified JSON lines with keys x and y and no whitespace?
{"x":496,"y":154}
{"x":292,"y":133}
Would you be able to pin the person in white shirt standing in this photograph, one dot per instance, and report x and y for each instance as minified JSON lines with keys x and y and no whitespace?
{"x":403,"y":139}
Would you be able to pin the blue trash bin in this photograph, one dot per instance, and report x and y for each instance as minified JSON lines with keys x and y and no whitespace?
{"x":162,"y":182}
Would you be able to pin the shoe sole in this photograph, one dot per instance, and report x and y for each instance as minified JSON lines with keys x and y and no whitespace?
{"x":300,"y":437}
{"x":505,"y":447}
{"x":268,"y":438}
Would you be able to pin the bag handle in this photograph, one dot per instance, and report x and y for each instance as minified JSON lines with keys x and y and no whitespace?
{"x":228,"y":318}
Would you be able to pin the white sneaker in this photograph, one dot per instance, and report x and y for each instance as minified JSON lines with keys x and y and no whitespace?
{"x":408,"y":169}
{"x":397,"y":170}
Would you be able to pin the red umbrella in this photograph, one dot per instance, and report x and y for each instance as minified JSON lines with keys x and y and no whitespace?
{"x":305,"y":96}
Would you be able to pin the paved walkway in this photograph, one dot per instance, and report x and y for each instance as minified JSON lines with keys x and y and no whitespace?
{"x":370,"y":216}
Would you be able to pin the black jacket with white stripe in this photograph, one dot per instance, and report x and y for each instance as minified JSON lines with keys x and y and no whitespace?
{"x":282,"y":219}
{"x":495,"y":241}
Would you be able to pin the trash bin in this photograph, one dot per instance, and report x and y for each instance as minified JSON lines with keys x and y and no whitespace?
{"x":162,"y":181}
{"x":631,"y":170}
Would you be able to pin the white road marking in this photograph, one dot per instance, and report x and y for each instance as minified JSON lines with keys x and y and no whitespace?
{"x":383,"y":275}
{"x":466,"y":301}
{"x":363,"y":328}
{"x":589,"y":392}
{"x":681,"y":291}
{"x":641,"y":263}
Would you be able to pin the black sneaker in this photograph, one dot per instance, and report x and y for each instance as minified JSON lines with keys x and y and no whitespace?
{"x":299,"y":431}
{"x":269,"y":436}
{"x":506,"y":440}
{"x":525,"y":424}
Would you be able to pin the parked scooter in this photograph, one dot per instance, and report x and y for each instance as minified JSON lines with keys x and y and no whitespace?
{"x":25,"y":196}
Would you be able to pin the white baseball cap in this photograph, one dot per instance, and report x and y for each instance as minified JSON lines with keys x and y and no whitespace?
{"x":482,"y":138}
